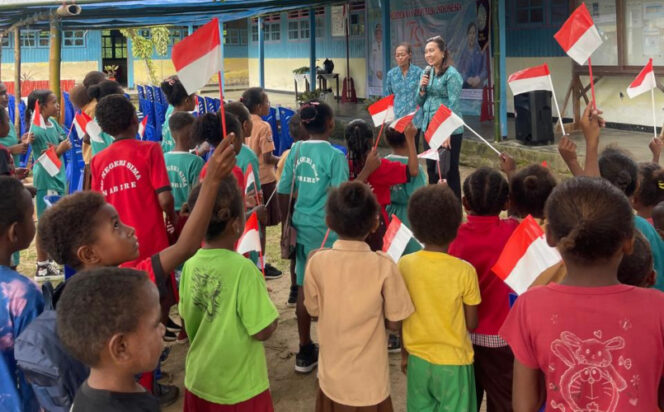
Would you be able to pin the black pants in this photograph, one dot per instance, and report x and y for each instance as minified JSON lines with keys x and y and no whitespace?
{"x":493,"y":375}
{"x":453,"y":178}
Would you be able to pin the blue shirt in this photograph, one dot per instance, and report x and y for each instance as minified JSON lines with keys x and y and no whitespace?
{"x":470,"y":63}
{"x":442,"y":89}
{"x":20,"y":302}
{"x":405,"y":89}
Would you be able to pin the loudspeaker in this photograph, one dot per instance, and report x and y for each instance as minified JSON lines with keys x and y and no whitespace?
{"x":534,"y":122}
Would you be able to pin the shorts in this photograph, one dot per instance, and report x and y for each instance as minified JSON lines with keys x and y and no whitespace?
{"x":432,"y":387}
{"x":273,"y":211}
{"x":41,"y":204}
{"x":325,"y":404}
{"x":302,"y":255}
{"x":259,"y":403}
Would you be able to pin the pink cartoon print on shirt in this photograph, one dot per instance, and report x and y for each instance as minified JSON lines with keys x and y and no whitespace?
{"x":591,"y":383}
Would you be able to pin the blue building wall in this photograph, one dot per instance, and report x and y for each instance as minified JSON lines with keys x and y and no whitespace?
{"x":90,"y":52}
{"x":533,"y":40}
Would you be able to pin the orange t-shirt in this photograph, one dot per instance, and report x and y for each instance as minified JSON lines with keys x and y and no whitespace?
{"x":261,"y":142}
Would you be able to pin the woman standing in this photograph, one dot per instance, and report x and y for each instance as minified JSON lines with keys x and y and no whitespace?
{"x":403,"y":81}
{"x":441,"y":85}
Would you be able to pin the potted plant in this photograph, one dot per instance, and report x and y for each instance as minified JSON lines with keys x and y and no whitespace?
{"x":111,"y":70}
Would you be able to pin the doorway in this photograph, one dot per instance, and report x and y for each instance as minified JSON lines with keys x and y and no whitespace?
{"x":114,"y":53}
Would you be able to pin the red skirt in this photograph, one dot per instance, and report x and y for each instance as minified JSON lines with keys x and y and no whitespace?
{"x":259,"y":403}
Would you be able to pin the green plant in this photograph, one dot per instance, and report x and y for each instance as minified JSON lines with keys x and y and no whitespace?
{"x":306,"y":96}
{"x":301,"y":70}
{"x":111,"y":70}
{"x":144,"y":47}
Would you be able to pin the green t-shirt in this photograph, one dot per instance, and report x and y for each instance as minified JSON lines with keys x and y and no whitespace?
{"x":11,"y":140}
{"x":167,"y":142}
{"x":319,"y":167}
{"x":399,"y":196}
{"x":42,"y":138}
{"x":183,"y":171}
{"x":656,"y":247}
{"x":223,"y":303}
{"x":99,"y":141}
{"x":246,"y":157}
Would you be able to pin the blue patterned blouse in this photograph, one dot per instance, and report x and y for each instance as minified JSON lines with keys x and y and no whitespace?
{"x":405,"y":90}
{"x":444,"y":89}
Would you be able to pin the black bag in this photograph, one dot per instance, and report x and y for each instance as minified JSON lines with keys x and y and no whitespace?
{"x":288,"y":232}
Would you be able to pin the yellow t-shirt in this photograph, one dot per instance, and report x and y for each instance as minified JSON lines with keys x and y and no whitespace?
{"x":439,"y":285}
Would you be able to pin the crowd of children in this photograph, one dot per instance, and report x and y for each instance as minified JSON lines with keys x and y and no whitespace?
{"x":160,"y":225}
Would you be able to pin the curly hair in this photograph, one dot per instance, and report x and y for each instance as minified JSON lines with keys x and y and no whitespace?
{"x":39,"y":95}
{"x":315,"y":116}
{"x":114,"y":114}
{"x":105,"y":88}
{"x":435,"y":214}
{"x":68,"y":225}
{"x":97,"y":304}
{"x":253,"y":97}
{"x":79,"y":96}
{"x":207,"y":128}
{"x":359,"y":139}
{"x":352,"y":209}
{"x":529,"y":189}
{"x":228,"y":205}
{"x":650,"y":190}
{"x":174,"y":91}
{"x":93,"y":77}
{"x":10,"y":202}
{"x":635,"y":268}
{"x":619,"y":169}
{"x":486,"y":192}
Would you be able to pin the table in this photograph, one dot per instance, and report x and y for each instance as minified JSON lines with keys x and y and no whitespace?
{"x":324,"y":77}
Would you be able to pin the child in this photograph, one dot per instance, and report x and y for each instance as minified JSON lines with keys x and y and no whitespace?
{"x":529,"y":189}
{"x":480,"y":242}
{"x":400,"y":194}
{"x":132,"y":176}
{"x":207,"y":128}
{"x":359,"y":137}
{"x":183,"y":167}
{"x":658,"y":218}
{"x":84,"y":232}
{"x":10,"y":140}
{"x":20,"y":300}
{"x":354,"y":366}
{"x":437,"y":355}
{"x":178,"y":101}
{"x":636,"y":269}
{"x":47,"y":185}
{"x":649,"y":191}
{"x":587,"y":340}
{"x":108,"y":318}
{"x":102,"y":139}
{"x":227,"y":313}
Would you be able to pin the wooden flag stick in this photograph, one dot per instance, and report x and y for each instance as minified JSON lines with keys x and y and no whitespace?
{"x":222,"y":112}
{"x":555,"y":102}
{"x":270,"y":198}
{"x":592,"y":83}
{"x":654,"y":116}
{"x":380,"y":133}
{"x":483,"y":139}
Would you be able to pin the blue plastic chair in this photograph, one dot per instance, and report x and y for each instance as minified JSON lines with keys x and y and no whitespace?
{"x":21,"y":111}
{"x":141,"y":91}
{"x":11,"y":108}
{"x":271,"y":118}
{"x":285,"y":139}
{"x":217,"y":104}
{"x":75,"y":165}
{"x":69,"y":111}
{"x":201,"y":105}
{"x":151,"y":111}
{"x":209,"y":105}
{"x":343,"y":149}
{"x":149,"y":134}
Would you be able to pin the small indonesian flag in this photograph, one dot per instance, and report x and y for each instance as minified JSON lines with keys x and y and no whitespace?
{"x":81,"y":121}
{"x":196,"y":111}
{"x":530,"y":79}
{"x":644,"y":82}
{"x":250,"y":241}
{"x":37,"y":118}
{"x":198,"y":57}
{"x":94,"y":131}
{"x":142,"y":126}
{"x":443,"y":123}
{"x":579,"y":36}
{"x":431,"y":154}
{"x":250,"y":179}
{"x":525,"y":256}
{"x":50,"y":161}
{"x":396,"y":238}
{"x":382,"y":111}
{"x":400,"y":124}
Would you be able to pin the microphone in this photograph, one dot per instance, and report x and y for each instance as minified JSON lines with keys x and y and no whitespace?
{"x":427,"y":73}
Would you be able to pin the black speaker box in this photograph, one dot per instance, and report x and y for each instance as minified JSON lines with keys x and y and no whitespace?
{"x":534,"y":122}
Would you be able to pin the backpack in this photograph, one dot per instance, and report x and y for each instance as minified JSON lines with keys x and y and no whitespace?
{"x":54,"y":375}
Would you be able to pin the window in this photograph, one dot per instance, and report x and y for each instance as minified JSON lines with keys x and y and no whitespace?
{"x":529,"y":12}
{"x":34,"y":38}
{"x":44,"y":38}
{"x":73,"y":38}
{"x":236,"y":37}
{"x":7,"y":41}
{"x":298,"y":24}
{"x":144,"y":33}
{"x":603,"y":13}
{"x":271,"y":28}
{"x":113,"y":45}
{"x":293,"y":30}
{"x":644,"y":32}
{"x":175,"y":34}
{"x":356,"y":18}
{"x":559,"y":12}
{"x":254,"y":32}
{"x":320,"y":23}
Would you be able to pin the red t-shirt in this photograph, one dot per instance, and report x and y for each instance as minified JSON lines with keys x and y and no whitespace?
{"x":389,"y":173}
{"x":237,"y":172}
{"x":131,"y":174}
{"x":600,"y":349}
{"x":480,"y":241}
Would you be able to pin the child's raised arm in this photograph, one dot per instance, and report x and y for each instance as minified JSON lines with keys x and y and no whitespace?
{"x":413,"y":164}
{"x":526,"y":388}
{"x":470,"y":313}
{"x":219,"y":166}
{"x":591,"y":122}
{"x":567,"y":150}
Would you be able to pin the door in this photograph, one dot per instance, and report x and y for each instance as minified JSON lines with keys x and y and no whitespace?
{"x":114,"y":55}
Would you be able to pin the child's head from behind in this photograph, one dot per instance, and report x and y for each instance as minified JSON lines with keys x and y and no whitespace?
{"x":117,"y":116}
{"x":79,"y":96}
{"x":317,"y":118}
{"x":589,"y":220}
{"x":485,"y":192}
{"x":243,"y":115}
{"x":650,"y":190}
{"x":352,"y":211}
{"x":658,"y":218}
{"x":359,"y":138}
{"x":394,"y":138}
{"x":435,"y":215}
{"x":296,"y":129}
{"x":93,"y":77}
{"x":529,"y":189}
{"x":105,"y":88}
{"x":228,"y":212}
{"x":83,"y":231}
{"x":636,"y":269}
{"x":181,"y":125}
{"x":619,"y":169}
{"x":207,"y":128}
{"x":176,"y":94}
{"x":256,"y":101}
{"x":109,"y":318}
{"x":16,"y":208}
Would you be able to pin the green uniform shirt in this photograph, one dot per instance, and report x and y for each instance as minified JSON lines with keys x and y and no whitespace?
{"x":97,"y":144}
{"x":399,"y":196}
{"x":42,"y":138}
{"x":246,"y":157}
{"x":319,"y":167}
{"x":11,"y":140}
{"x":183,"y":171}
{"x":223,"y":303}
{"x":656,"y":247}
{"x":444,"y":89}
{"x":167,"y":142}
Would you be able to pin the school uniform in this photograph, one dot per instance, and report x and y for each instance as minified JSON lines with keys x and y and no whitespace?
{"x":183,"y":170}
{"x":10,"y":140}
{"x":46,"y":184}
{"x":167,"y":142}
{"x":99,"y":141}
{"x":261,"y":143}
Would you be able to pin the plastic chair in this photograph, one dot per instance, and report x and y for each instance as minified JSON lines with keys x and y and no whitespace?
{"x":285,"y":139}
{"x":271,"y":118}
{"x":141,"y":91}
{"x":149,"y":134}
{"x":11,"y":108}
{"x":21,"y":110}
{"x":69,"y":111}
{"x":217,"y":104}
{"x":342,"y":148}
{"x":151,"y":111}
{"x":209,"y":105}
{"x":201,"y":105}
{"x":51,"y":199}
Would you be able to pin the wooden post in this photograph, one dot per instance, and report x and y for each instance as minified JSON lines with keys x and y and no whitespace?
{"x":54,"y":61}
{"x":17,"y":80}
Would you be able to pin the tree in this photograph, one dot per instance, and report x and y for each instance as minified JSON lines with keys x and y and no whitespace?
{"x":143,"y":47}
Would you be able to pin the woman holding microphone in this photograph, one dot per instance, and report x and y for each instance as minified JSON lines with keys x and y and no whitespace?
{"x":441,"y":84}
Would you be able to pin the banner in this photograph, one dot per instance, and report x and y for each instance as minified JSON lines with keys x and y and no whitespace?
{"x":464,"y":25}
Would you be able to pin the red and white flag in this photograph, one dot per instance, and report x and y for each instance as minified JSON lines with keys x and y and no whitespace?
{"x":400,"y":124}
{"x":196,"y":111}
{"x":37,"y":118}
{"x":431,"y":154}
{"x":198,"y":57}
{"x":443,"y":123}
{"x":644,"y":82}
{"x":50,"y":161}
{"x":142,"y":126}
{"x":250,"y":179}
{"x":382,"y":111}
{"x":579,"y":36}
{"x":250,"y":241}
{"x":525,"y":256}
{"x":396,"y":238}
{"x":530,"y":79}
{"x":81,"y":121}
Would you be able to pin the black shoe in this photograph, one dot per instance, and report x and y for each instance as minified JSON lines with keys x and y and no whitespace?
{"x":292,"y":297}
{"x":166,"y":394}
{"x":172,"y":326}
{"x":271,"y":272}
{"x":393,"y":344}
{"x":307,"y":359}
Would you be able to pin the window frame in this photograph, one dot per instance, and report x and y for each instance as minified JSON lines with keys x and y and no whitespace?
{"x":71,"y":37}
